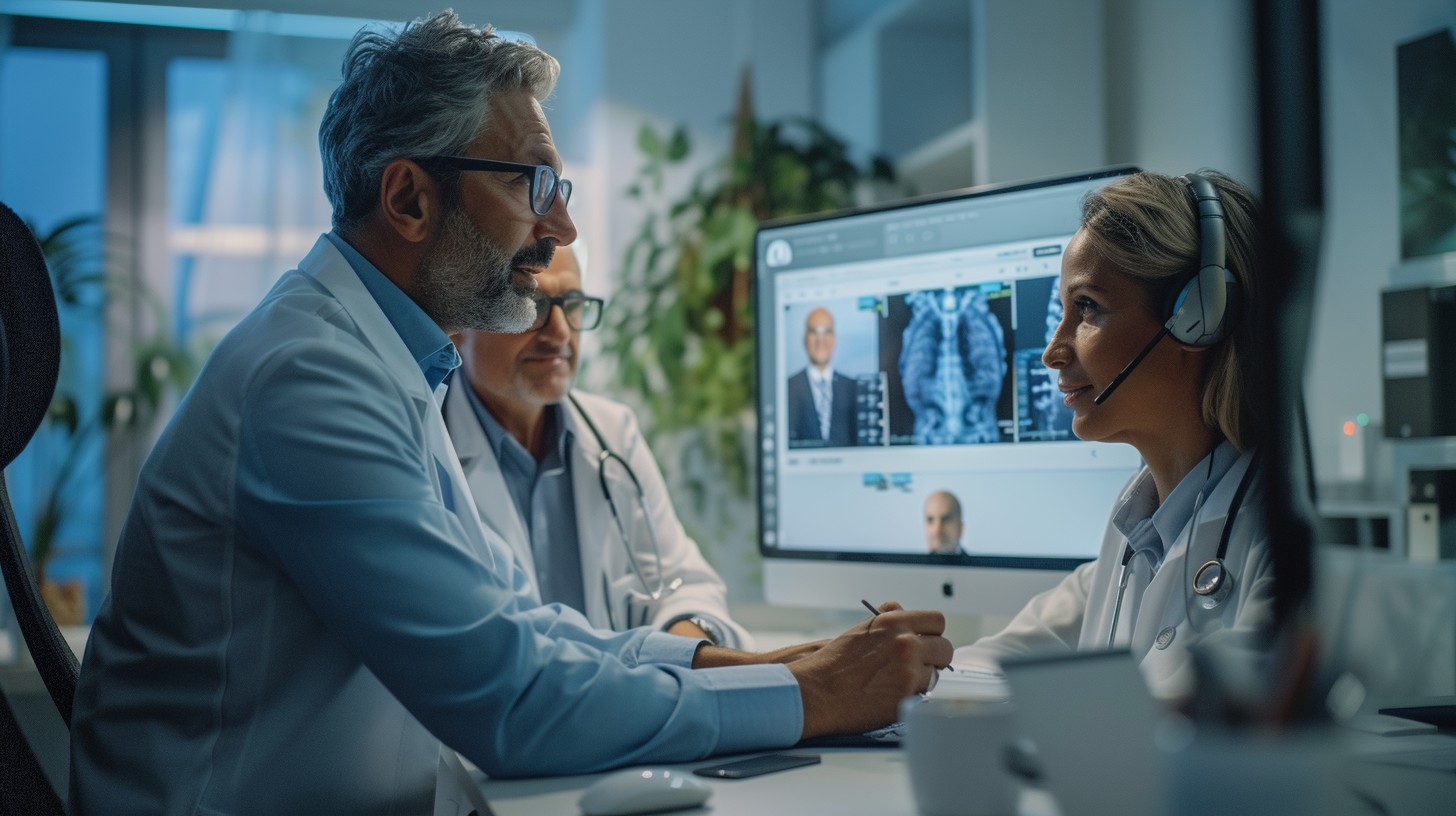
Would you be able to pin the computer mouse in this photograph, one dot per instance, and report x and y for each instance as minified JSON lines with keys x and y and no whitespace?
{"x":644,"y":791}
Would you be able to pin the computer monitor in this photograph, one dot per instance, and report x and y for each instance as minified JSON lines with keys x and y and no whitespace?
{"x":912,"y":445}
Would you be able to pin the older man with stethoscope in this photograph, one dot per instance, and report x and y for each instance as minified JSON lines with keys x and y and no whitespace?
{"x":568,"y":481}
{"x":1154,"y":286}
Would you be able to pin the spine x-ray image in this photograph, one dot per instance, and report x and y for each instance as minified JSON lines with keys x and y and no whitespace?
{"x":1048,"y":417}
{"x":952,"y":367}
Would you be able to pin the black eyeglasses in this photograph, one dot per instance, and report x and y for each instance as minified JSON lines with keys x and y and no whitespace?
{"x":583,"y":313}
{"x":546,"y":184}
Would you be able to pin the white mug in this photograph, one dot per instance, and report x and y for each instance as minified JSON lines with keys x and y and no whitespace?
{"x":956,"y":753}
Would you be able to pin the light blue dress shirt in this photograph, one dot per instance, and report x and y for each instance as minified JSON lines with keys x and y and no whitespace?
{"x":545,"y":500}
{"x":296,"y":619}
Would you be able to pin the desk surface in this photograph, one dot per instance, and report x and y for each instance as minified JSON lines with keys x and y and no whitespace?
{"x":1354,"y":770}
{"x":849,"y":782}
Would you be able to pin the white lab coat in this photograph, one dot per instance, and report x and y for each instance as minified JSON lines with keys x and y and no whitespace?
{"x":1078,"y":612}
{"x":608,"y":581}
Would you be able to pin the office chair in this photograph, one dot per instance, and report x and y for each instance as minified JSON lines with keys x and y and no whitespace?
{"x":26,"y":789}
{"x":30,"y":356}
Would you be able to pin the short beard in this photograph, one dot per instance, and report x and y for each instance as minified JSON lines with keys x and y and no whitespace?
{"x":466,"y":281}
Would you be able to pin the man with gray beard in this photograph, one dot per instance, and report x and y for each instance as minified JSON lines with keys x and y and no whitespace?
{"x":306,"y":614}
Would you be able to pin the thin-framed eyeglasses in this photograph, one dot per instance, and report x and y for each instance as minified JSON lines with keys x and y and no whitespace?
{"x":583,"y":313}
{"x":546,"y":183}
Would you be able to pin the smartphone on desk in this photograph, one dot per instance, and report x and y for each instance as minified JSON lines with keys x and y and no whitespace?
{"x":757,"y":766}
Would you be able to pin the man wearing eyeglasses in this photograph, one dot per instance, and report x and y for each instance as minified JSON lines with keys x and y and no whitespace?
{"x":568,"y":481}
{"x":306,"y":614}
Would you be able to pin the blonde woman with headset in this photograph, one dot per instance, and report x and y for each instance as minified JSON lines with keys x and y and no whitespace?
{"x":1154,"y":350}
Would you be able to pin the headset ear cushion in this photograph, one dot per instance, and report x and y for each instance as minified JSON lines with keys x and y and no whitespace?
{"x":1233,"y":303}
{"x":1199,"y":336}
{"x":1170,"y":303}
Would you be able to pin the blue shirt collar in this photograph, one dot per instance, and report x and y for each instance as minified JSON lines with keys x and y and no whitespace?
{"x":426,"y":341}
{"x":501,"y":442}
{"x":1140,"y":510}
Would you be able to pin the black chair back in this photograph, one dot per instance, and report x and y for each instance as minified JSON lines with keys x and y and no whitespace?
{"x":30,"y":356}
{"x":26,"y":791}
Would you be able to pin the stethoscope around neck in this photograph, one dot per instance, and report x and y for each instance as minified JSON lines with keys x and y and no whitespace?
{"x":660,"y":588}
{"x":1212,"y":582}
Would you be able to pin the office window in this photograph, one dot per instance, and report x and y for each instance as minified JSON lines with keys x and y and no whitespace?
{"x":245,"y":194}
{"x":194,"y":154}
{"x":52,"y":171}
{"x":88,"y":134}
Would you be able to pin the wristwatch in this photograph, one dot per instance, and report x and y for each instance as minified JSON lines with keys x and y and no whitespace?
{"x":711,"y":629}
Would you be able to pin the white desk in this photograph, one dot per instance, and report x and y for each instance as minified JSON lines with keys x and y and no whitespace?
{"x":873,"y":782}
{"x":849,"y":782}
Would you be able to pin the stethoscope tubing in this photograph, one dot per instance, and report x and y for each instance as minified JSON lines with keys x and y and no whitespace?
{"x":1214,"y":594}
{"x":662,"y":586}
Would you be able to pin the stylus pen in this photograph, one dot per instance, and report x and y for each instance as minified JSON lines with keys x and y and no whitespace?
{"x":876,"y":613}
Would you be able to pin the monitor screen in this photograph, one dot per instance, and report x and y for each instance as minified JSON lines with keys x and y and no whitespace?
{"x":907,"y":423}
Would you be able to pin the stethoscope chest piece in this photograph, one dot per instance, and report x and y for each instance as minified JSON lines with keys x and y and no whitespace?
{"x":1212,"y":584}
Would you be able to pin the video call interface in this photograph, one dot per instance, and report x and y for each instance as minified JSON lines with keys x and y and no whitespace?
{"x":904,"y":407}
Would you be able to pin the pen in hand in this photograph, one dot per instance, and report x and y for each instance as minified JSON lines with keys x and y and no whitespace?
{"x":876,"y":613}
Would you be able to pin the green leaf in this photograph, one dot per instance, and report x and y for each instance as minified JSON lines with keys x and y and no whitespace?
{"x":649,"y":142}
{"x":881,"y":168}
{"x":678,"y":148}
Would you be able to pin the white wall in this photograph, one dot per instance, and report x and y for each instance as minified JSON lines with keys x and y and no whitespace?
{"x":1039,"y":88}
{"x":1181,"y":90}
{"x":848,"y":75}
{"x":666,"y":62}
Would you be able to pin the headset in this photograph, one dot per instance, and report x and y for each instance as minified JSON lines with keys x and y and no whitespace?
{"x":1200,"y":311}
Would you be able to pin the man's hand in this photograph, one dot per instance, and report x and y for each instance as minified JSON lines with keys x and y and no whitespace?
{"x":789,"y":654}
{"x":856,"y":681}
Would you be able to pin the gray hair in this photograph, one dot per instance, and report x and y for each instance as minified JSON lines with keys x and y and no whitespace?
{"x":424,"y":91}
{"x":1146,"y":225}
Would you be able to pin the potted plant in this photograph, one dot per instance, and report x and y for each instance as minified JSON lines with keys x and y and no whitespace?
{"x":81,"y":418}
{"x":681,"y":331}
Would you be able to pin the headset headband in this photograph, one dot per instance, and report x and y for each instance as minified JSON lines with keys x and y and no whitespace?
{"x":1198,"y":313}
{"x":1211,"y":233}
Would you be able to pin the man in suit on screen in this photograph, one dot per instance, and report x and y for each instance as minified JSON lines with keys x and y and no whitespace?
{"x":821,"y":400}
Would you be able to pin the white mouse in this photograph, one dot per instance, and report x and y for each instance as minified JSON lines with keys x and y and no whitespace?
{"x":644,"y":791}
